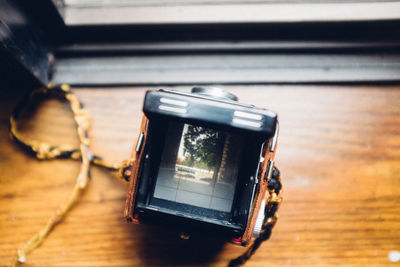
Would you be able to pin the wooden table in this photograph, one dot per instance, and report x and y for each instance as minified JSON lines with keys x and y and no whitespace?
{"x":339,"y":153}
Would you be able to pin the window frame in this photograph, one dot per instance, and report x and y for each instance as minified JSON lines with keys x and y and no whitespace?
{"x":373,"y":45}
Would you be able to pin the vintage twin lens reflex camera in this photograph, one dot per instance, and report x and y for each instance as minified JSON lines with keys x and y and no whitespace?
{"x":197,"y":163}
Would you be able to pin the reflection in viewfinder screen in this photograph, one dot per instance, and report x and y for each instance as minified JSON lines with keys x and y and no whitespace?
{"x":199,"y":167}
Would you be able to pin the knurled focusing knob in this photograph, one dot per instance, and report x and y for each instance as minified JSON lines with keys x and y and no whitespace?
{"x":259,"y":220}
{"x":215,"y":92}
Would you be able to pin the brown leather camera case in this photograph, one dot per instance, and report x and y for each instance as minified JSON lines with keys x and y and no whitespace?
{"x":260,"y":194}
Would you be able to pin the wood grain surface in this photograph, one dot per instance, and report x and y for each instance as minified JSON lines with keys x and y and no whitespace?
{"x":339,"y":153}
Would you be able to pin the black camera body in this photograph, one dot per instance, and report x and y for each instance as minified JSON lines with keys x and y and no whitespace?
{"x":198,"y":162}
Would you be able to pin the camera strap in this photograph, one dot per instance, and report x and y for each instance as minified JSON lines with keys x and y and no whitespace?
{"x":44,"y":151}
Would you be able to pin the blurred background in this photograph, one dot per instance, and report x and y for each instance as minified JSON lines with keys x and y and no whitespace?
{"x":203,"y":42}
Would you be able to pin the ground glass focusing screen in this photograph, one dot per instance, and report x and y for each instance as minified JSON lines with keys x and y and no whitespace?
{"x":199,"y":167}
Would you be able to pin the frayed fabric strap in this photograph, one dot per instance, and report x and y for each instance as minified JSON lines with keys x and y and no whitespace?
{"x":44,"y":151}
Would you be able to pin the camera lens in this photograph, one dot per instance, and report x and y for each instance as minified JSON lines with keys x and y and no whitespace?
{"x":215,"y":92}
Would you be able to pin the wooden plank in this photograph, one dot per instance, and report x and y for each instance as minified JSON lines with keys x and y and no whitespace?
{"x":339,"y":152}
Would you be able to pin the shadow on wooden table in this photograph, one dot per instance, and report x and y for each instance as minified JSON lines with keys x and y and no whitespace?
{"x":164,"y":246}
